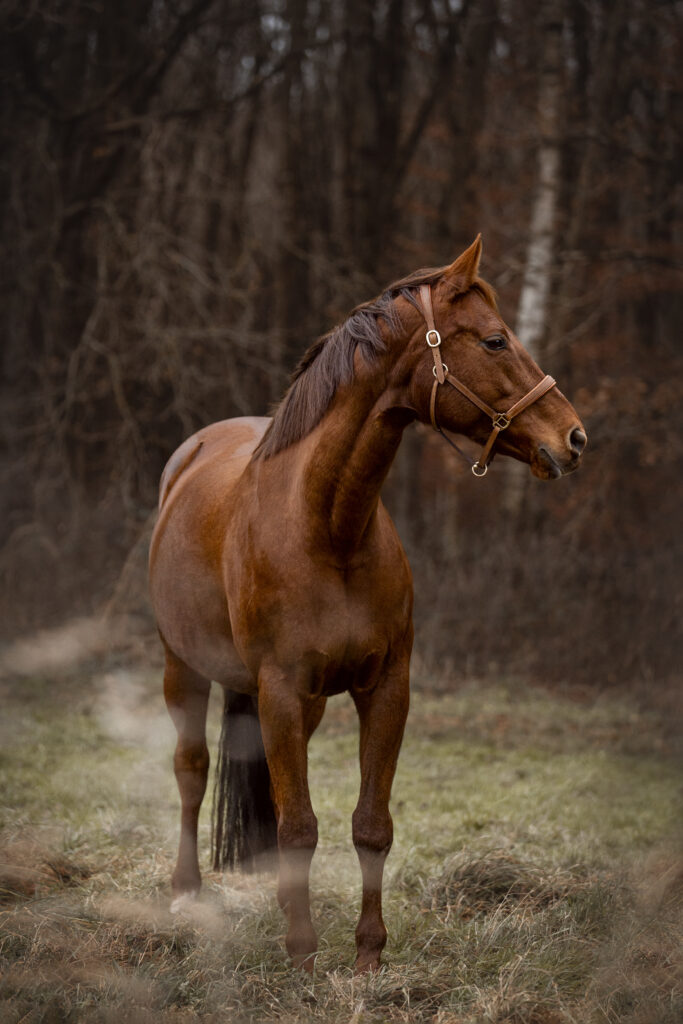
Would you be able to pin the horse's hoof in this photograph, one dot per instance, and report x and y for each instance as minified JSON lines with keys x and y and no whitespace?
{"x":183,"y":901}
{"x":304,"y":962}
{"x":367,"y":966}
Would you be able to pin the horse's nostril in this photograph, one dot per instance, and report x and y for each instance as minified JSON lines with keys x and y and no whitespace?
{"x":577,"y":440}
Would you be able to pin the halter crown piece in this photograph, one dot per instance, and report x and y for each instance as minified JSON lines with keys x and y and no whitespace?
{"x":500,"y":420}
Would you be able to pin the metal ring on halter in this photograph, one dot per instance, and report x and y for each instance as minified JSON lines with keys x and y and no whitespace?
{"x":479,"y":470}
{"x":501,"y":421}
{"x":438,"y":338}
{"x":445,"y":368}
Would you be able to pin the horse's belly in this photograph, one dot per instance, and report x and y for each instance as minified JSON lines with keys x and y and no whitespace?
{"x":216,"y":658}
{"x":197,"y":630}
{"x":192,"y":614}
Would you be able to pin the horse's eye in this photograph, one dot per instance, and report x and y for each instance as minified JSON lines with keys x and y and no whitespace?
{"x":495,"y":344}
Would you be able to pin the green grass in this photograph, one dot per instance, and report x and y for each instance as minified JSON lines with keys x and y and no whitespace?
{"x":535,"y":877}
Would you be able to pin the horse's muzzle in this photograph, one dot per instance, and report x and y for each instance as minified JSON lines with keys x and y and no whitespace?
{"x":550,"y":464}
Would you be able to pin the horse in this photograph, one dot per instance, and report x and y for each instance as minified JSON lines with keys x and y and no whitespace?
{"x":276,"y":571}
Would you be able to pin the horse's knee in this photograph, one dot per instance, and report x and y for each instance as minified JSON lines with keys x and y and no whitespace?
{"x":298,"y":832}
{"x":372,"y":834}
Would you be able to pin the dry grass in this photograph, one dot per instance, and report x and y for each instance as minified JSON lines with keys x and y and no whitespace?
{"x":534,"y":878}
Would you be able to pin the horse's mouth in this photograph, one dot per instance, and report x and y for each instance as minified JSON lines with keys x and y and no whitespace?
{"x":547,"y":466}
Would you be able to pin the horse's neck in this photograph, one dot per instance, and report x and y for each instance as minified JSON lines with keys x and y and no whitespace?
{"x":346,"y":462}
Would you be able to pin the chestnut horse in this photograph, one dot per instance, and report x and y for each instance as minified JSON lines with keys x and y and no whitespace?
{"x":277,"y":572}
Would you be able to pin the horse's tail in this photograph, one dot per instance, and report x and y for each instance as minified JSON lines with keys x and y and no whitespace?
{"x":243,"y":826}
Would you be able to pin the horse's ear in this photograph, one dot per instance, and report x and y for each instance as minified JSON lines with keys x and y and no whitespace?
{"x":460,"y":276}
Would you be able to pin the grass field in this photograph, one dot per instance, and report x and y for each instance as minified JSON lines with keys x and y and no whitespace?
{"x":536,"y":875}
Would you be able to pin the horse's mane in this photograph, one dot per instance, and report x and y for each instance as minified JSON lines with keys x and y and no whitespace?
{"x":328,"y":363}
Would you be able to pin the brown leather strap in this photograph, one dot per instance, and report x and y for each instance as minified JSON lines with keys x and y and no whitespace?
{"x":474,"y":399}
{"x":536,"y":392}
{"x":427,"y":308}
{"x":500,"y":420}
{"x":432,"y":337}
{"x":432,"y":405}
{"x":483,"y":460}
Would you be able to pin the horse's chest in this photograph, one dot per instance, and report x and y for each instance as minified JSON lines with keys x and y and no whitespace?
{"x":354,"y":611}
{"x":344,"y":632}
{"x":346,"y":636}
{"x":335,"y":633}
{"x":301,"y":613}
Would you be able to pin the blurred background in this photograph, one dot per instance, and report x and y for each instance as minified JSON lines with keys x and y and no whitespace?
{"x":193,"y":190}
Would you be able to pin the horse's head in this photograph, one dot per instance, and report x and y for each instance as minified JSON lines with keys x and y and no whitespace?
{"x":471,"y":367}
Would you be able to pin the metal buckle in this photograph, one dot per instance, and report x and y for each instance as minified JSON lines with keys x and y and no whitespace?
{"x":501,"y":421}
{"x":436,"y":343}
{"x":443,"y":366}
{"x":479,"y":470}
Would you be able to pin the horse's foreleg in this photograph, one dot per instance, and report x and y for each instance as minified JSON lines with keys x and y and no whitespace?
{"x":382,"y":715}
{"x":313,"y":718}
{"x":286,"y":723}
{"x":187,"y":695}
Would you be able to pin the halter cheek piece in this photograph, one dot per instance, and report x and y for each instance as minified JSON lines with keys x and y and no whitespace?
{"x":500,"y":420}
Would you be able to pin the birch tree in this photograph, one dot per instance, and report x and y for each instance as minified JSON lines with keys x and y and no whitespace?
{"x":535,"y":293}
{"x":538,"y":270}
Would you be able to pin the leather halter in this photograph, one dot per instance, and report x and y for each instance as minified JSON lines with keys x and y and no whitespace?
{"x":500,"y":420}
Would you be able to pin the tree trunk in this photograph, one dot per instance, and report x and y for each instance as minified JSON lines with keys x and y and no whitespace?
{"x":540,"y":255}
{"x":533,"y":300}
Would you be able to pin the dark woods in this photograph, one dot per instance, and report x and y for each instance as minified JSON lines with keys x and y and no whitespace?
{"x":194,"y":190}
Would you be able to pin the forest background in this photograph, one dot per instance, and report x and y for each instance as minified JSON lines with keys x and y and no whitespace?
{"x":193,"y":190}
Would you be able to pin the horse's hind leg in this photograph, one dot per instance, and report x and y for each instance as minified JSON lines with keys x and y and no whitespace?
{"x":187,"y":696}
{"x":382,"y":713}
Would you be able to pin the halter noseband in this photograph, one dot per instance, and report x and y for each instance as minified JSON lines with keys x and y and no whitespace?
{"x":500,"y":420}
